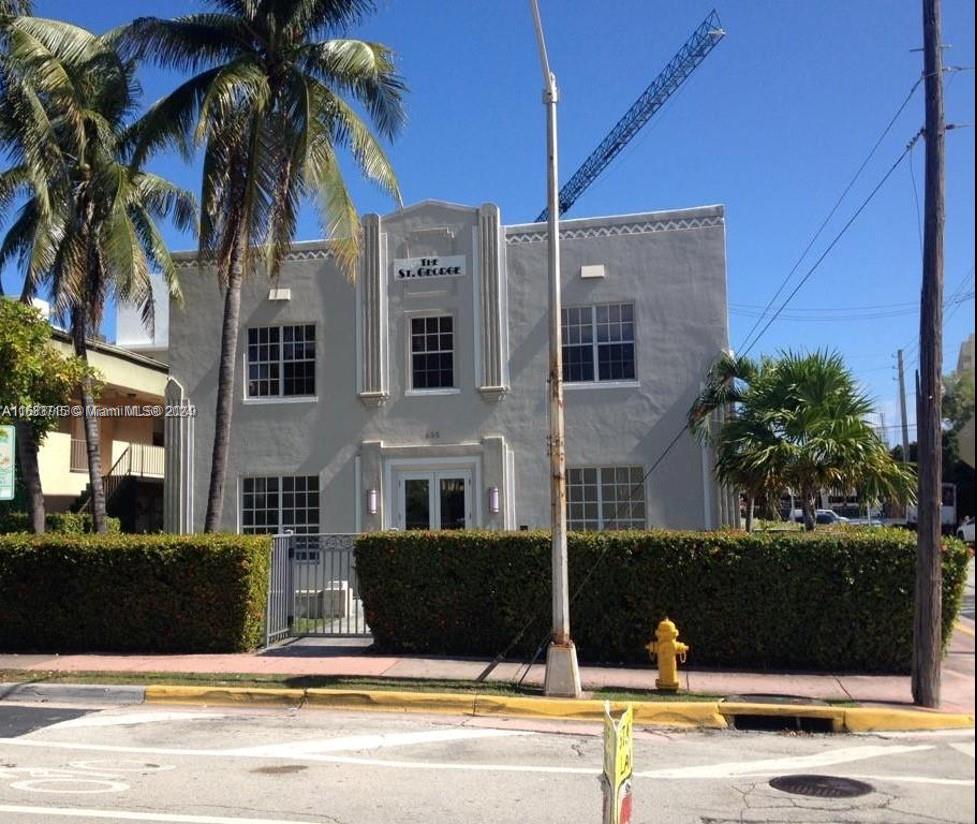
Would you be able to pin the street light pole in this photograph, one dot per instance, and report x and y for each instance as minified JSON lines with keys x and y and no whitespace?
{"x":562,"y":671}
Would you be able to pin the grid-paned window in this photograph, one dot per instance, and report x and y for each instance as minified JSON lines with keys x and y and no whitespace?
{"x":281,"y":361}
{"x":598,"y":343}
{"x":283,"y":504}
{"x":578,"y":343}
{"x":432,"y":352}
{"x":610,"y":497}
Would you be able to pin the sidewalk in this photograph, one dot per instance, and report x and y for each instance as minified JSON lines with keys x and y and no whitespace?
{"x":351,"y":657}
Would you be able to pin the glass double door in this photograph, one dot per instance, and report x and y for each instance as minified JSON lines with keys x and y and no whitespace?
{"x":437,"y":499}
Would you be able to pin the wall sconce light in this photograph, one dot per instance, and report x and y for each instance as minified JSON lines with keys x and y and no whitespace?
{"x":372,"y":501}
{"x":493,"y":496}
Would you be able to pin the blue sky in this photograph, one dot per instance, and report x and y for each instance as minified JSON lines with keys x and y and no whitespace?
{"x":773,"y":125}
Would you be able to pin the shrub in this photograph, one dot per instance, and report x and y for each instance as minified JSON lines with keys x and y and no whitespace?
{"x":137,"y":593}
{"x":73,"y":523}
{"x":822,"y":601}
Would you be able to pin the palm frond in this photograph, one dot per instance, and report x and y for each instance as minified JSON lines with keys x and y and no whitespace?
{"x":189,"y":44}
{"x":367,"y":71}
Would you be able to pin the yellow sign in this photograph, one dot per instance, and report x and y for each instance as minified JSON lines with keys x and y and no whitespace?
{"x":618,"y":765}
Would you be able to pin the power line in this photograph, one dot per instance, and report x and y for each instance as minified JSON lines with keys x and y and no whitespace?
{"x":919,"y":218}
{"x":840,"y":318}
{"x":834,"y":208}
{"x":833,"y":243}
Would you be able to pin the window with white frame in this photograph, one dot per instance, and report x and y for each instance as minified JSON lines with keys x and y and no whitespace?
{"x":432,"y":352}
{"x":276,"y":504}
{"x":281,"y":361}
{"x":598,"y":343}
{"x":610,"y":497}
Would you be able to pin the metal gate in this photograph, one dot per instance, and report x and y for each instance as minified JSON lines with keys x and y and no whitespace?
{"x":313,"y":588}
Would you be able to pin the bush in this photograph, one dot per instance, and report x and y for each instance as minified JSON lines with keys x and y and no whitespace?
{"x":72,"y":523}
{"x":132,"y":593}
{"x":838,"y":601}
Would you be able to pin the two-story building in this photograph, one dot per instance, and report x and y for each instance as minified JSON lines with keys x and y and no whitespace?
{"x":417,"y":398}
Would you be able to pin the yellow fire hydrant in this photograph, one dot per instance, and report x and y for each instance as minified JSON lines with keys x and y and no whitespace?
{"x":669,"y":651}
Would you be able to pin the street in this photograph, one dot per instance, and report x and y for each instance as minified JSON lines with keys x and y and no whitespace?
{"x":204,"y":765}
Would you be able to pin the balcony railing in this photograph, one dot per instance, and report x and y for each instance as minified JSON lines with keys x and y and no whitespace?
{"x":143,"y":459}
{"x":79,"y":455}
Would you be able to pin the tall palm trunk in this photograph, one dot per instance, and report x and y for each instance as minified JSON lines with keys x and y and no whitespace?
{"x":27,"y":456}
{"x":750,"y":509}
{"x":79,"y":327}
{"x":225,"y":394}
{"x":809,"y":520}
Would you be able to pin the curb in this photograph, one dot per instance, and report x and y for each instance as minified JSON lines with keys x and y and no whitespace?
{"x":688,"y":714}
{"x":73,"y":693}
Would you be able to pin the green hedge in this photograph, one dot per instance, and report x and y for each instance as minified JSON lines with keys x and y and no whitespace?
{"x":134,"y":593}
{"x":839,"y":600}
{"x":73,"y":523}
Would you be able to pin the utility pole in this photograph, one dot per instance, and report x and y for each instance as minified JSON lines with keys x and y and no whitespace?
{"x":902,"y":408}
{"x":927,"y":622}
{"x":562,"y":671}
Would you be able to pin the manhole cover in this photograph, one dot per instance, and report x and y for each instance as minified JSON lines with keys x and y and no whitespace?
{"x":822,"y":786}
{"x":284,"y":769}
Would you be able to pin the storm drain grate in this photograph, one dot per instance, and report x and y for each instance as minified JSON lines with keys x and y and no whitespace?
{"x":821,"y":786}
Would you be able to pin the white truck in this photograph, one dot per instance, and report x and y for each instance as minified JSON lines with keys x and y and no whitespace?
{"x":948,"y":511}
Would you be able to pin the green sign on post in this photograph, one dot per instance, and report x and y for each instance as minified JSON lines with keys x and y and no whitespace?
{"x":8,"y":460}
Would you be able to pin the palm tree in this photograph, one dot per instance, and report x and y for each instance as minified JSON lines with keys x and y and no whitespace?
{"x":743,"y":437}
{"x":266,"y":100}
{"x":34,"y":158}
{"x":98,"y":239}
{"x":798,"y":422}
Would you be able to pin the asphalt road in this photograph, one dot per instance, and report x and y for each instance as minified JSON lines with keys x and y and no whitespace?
{"x":186,"y":765}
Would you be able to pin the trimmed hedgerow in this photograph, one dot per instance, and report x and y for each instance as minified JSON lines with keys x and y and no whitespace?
{"x":73,"y":523}
{"x":838,"y":600}
{"x":134,"y":593}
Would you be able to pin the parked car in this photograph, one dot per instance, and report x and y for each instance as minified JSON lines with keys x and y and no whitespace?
{"x":821,"y":516}
{"x":965,"y":532}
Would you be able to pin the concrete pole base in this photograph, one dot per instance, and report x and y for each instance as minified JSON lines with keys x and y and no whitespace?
{"x":562,"y":671}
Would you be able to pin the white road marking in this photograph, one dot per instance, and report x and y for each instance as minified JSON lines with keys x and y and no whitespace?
{"x":917,"y":779}
{"x":127,"y":815}
{"x":109,"y":720}
{"x":120,"y":766}
{"x":966,"y":748}
{"x":917,"y":734}
{"x":769,"y":766}
{"x":372,"y":742}
{"x":62,"y":786}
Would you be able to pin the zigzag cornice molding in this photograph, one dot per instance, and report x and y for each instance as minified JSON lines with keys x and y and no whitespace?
{"x":643,"y":227}
{"x":290,"y":257}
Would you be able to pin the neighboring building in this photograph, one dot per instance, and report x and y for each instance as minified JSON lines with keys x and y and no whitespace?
{"x":418,"y":398}
{"x":131,"y":331}
{"x":965,"y":364}
{"x":131,"y":444}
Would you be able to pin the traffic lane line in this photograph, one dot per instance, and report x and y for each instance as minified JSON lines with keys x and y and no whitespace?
{"x":725,"y":770}
{"x":134,"y":815}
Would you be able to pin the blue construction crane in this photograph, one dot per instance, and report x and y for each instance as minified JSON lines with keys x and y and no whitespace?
{"x":692,"y":53}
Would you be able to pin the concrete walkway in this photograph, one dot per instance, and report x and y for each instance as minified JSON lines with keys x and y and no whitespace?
{"x":352,"y":657}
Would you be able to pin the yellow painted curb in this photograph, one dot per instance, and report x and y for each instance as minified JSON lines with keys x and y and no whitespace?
{"x":453,"y":702}
{"x":880,"y":719}
{"x":659,"y":713}
{"x":856,"y":719}
{"x":679,"y":714}
{"x":961,"y":627}
{"x":223,"y":695}
{"x":836,"y":715}
{"x":700,"y":714}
